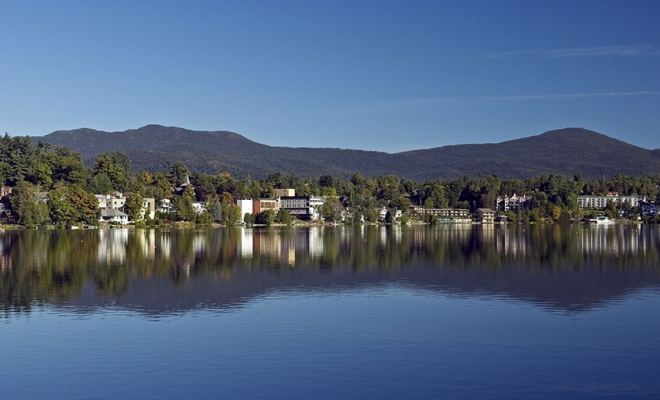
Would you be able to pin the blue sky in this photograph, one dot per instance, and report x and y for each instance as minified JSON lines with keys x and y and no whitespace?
{"x":374,"y":75}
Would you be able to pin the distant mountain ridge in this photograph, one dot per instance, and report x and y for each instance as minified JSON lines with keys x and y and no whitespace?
{"x":566,"y":151}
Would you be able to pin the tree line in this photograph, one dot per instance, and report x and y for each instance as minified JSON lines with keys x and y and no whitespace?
{"x":37,"y":172}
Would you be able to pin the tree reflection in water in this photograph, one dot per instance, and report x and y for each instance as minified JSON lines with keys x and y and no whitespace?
{"x":570,"y":267}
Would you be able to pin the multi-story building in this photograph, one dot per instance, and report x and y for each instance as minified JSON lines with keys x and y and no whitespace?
{"x":485,"y":215}
{"x":114,"y":201}
{"x":259,"y":205}
{"x":246,"y":206}
{"x":600,"y":202}
{"x":285,"y":192}
{"x":166,"y":206}
{"x":302,"y":207}
{"x":648,"y":208}
{"x":447,"y":214}
{"x":512,"y":203}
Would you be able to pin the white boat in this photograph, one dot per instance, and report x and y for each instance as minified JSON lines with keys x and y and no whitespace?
{"x":603,"y":220}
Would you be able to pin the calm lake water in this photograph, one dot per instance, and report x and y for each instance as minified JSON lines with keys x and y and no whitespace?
{"x":454,"y":311}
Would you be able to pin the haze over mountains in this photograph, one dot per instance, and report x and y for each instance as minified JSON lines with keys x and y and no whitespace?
{"x":566,"y":151}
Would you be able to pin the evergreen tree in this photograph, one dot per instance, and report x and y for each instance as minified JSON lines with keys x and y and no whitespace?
{"x":215,"y":209}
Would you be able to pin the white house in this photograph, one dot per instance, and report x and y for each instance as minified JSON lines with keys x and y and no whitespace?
{"x":382,"y":213}
{"x":113,"y":215}
{"x":165,"y":206}
{"x":199,"y":207}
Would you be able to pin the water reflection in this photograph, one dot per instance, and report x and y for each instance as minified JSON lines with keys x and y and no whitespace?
{"x":569,"y":268}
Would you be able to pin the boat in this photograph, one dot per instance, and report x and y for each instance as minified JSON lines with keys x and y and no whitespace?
{"x":601,"y":220}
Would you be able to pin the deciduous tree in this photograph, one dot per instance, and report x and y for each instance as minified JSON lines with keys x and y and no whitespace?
{"x":133,"y":207}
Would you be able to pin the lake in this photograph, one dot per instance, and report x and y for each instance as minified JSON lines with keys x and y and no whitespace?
{"x":449,"y":311}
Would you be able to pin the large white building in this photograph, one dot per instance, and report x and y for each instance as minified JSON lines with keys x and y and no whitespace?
{"x":246,"y":206}
{"x":114,"y":201}
{"x":512,"y":203}
{"x":600,"y":202}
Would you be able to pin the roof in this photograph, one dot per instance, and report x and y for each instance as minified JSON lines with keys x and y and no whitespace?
{"x":111,"y":212}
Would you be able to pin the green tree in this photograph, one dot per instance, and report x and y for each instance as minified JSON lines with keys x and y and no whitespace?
{"x":433,"y":194}
{"x":389,"y":188}
{"x":28,"y":206}
{"x":62,"y":212}
{"x":178,"y":173}
{"x":86,"y":206}
{"x":283,"y":216}
{"x":204,"y":218}
{"x":184,"y":207}
{"x":401,"y":203}
{"x":162,"y":186}
{"x":371,"y":215}
{"x":332,"y":209}
{"x":67,"y":166}
{"x":266,"y":217}
{"x":100,"y":183}
{"x":231,"y":214}
{"x":5,"y":172}
{"x":133,"y":207}
{"x":610,"y":209}
{"x":327,"y":181}
{"x":229,"y":211}
{"x":40,"y":174}
{"x":248,"y":219}
{"x":215,"y":209}
{"x":556,"y":213}
{"x":19,"y":153}
{"x":115,"y":167}
{"x":34,"y":213}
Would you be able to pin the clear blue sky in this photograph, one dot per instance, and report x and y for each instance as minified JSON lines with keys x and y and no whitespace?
{"x":374,"y":75}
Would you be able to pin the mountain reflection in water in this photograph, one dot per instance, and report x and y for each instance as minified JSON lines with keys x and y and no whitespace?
{"x":565,"y":268}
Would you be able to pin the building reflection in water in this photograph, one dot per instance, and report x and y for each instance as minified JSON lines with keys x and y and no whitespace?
{"x":46,"y":265}
{"x":615,"y":240}
{"x":112,"y":245}
{"x":285,"y":246}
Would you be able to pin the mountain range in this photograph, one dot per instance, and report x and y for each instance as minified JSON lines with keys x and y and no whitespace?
{"x":566,"y":151}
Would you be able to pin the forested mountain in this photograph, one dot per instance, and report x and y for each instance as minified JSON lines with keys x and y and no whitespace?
{"x":567,"y":151}
{"x":50,"y":185}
